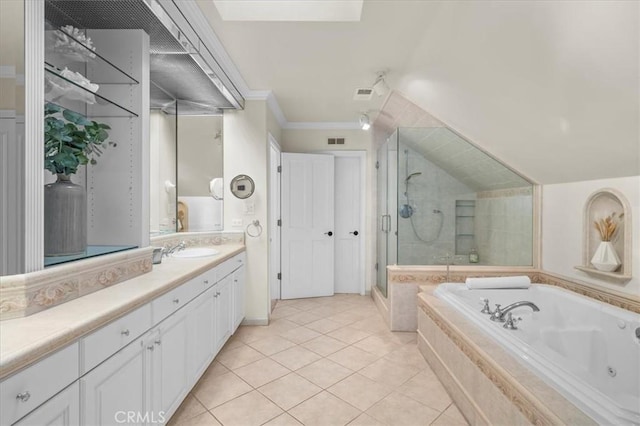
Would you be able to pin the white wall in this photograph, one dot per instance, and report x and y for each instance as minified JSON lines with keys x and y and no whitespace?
{"x":315,"y":140}
{"x":562,"y":228}
{"x":246,"y":152}
{"x":548,"y":87}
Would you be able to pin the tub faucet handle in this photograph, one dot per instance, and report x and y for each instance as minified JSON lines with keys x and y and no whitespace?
{"x":497,"y":314}
{"x":485,"y":308}
{"x":510,"y":323}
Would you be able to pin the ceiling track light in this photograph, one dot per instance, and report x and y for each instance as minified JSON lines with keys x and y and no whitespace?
{"x":365,"y":123}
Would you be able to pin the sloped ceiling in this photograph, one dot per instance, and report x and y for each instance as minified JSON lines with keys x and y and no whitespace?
{"x":459,"y":159}
{"x":551,"y":88}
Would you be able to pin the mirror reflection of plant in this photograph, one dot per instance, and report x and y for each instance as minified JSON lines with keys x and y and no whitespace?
{"x":73,"y":141}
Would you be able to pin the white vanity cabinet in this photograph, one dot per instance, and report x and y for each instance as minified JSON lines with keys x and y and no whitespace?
{"x":138,"y":368}
{"x":117,"y":387}
{"x":169,"y":346}
{"x":223,"y":310}
{"x":61,"y":410}
{"x":238,"y":294}
{"x":201,"y":331}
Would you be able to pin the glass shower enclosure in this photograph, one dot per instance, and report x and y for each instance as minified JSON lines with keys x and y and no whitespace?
{"x":443,"y":200}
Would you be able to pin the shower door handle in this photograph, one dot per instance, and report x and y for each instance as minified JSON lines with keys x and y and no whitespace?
{"x":386,"y":218}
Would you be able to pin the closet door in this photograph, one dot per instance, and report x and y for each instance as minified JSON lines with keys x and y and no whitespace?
{"x":307,"y":225}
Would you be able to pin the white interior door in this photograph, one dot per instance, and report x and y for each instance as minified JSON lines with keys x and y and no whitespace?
{"x":348,"y":216}
{"x":274,"y":216}
{"x":307,"y":193}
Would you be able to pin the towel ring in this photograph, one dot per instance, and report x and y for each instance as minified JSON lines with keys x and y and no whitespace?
{"x":258,"y":229}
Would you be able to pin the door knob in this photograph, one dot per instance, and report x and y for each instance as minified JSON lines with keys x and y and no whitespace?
{"x":354,"y":233}
{"x":328,"y":233}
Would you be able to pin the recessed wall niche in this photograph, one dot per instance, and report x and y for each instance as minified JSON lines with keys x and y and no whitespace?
{"x":599,"y":205}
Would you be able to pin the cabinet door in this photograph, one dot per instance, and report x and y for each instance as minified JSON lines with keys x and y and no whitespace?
{"x":170,"y":378}
{"x":61,"y":410}
{"x":116,"y":390}
{"x":238,"y":297}
{"x":223,"y":311}
{"x":201,"y":333}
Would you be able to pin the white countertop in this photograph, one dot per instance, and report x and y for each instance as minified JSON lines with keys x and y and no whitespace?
{"x":26,"y":340}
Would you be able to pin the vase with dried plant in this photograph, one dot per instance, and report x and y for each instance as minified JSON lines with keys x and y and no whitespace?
{"x":605,"y":258}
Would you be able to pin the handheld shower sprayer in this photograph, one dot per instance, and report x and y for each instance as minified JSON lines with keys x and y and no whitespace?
{"x":412,"y":175}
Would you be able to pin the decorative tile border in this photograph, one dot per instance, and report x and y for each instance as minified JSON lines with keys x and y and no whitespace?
{"x":198,"y":239}
{"x":434,"y":277}
{"x":26,"y":294}
{"x":619,"y":300}
{"x":513,"y":391}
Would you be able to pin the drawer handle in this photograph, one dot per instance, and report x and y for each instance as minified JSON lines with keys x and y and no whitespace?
{"x":150,"y":347}
{"x":206,"y":281}
{"x":125,"y":332}
{"x":23,"y":396}
{"x":157,"y":342}
{"x":176,"y":301}
{"x":218,"y":293}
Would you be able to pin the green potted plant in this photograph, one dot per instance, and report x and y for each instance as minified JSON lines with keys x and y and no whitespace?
{"x":70,"y":141}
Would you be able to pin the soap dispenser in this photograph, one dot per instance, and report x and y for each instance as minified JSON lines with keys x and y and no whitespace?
{"x":473,"y":256}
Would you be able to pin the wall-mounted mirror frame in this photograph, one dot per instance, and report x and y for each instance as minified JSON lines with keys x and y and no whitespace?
{"x":242,"y":186}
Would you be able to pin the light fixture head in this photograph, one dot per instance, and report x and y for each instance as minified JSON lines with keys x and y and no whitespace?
{"x":380,"y":86}
{"x":365,"y":123}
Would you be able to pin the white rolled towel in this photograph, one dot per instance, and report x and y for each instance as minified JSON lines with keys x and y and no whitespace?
{"x":498,"y":282}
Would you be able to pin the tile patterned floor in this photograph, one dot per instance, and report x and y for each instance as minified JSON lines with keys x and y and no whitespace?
{"x":323,"y":361}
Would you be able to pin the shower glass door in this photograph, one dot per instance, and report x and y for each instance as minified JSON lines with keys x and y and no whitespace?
{"x":387,"y":241}
{"x":382,"y":219}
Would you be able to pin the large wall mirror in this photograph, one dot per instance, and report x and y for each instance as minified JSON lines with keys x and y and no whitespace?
{"x":120,"y":67}
{"x":186,"y":169}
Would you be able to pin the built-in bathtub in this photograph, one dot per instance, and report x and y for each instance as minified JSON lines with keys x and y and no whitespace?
{"x":586,"y":350}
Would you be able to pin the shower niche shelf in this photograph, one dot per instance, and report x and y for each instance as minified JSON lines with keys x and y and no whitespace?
{"x":599,"y":205}
{"x":465,"y":235}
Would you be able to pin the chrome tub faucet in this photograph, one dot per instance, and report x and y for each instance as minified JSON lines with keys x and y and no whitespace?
{"x":500,"y":314}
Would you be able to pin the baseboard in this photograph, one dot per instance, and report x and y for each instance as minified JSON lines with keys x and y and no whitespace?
{"x":255,"y":321}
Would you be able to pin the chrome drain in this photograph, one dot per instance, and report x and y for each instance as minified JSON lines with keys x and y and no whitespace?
{"x":612,"y":371}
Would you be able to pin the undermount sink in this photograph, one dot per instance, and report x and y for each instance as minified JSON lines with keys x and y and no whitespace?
{"x":196,"y":252}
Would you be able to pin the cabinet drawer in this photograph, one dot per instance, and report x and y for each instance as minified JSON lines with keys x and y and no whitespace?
{"x":170,"y":302}
{"x":106,"y":341}
{"x":27,"y":389}
{"x":230,"y":265}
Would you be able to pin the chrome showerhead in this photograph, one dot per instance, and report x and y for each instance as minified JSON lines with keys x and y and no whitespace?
{"x":412,"y":175}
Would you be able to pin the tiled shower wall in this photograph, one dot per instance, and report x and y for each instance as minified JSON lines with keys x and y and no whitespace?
{"x":433,"y":189}
{"x":503,"y":227}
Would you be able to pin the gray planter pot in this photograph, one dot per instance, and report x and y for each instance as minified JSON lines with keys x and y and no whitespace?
{"x":65,"y":218}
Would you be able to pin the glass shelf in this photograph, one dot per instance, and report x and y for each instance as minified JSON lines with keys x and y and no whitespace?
{"x":63,"y":50}
{"x":91,"y":251}
{"x":70,"y":95}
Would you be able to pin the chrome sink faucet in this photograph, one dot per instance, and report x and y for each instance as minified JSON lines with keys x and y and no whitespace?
{"x":170,"y":250}
{"x":499,"y":314}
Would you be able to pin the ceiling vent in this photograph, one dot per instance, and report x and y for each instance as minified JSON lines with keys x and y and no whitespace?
{"x":363,"y":94}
